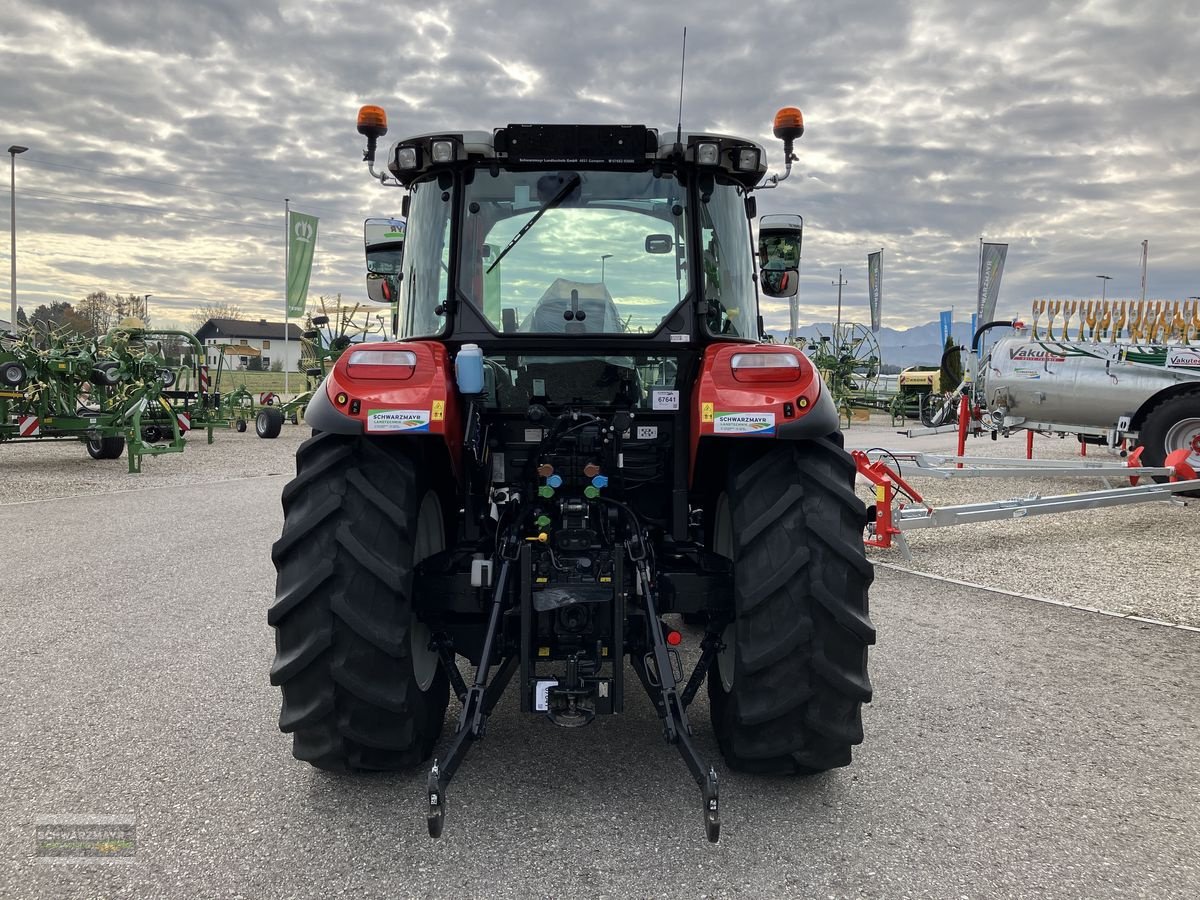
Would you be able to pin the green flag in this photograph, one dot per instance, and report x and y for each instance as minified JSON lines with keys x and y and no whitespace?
{"x":875,"y":287}
{"x":991,"y":270}
{"x":302,"y":240}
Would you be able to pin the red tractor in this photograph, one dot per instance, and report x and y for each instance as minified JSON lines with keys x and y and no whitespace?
{"x":577,"y":433}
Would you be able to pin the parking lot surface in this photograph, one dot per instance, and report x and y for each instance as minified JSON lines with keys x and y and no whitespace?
{"x":1013,"y":748}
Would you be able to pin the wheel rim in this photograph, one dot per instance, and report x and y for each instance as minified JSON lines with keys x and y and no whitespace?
{"x":13,"y":375}
{"x":723,"y":544}
{"x":1184,"y":435}
{"x":430,"y":539}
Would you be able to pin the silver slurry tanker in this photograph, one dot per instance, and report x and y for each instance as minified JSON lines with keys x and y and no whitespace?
{"x":1105,"y":392}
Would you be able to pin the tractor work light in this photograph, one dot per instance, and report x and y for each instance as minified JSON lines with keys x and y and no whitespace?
{"x":443,"y":151}
{"x":407,"y":157}
{"x":765,"y":366}
{"x":708,"y":154}
{"x":382,"y":364}
{"x":746,"y":159}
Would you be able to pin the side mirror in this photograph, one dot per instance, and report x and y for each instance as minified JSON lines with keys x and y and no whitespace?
{"x":659,"y":243}
{"x":384,"y":241}
{"x":508,"y":319}
{"x":780,"y":240}
{"x":780,"y":282}
{"x":382,"y":289}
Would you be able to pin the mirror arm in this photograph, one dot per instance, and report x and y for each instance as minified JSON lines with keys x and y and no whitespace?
{"x":384,"y":178}
{"x":772,"y":181}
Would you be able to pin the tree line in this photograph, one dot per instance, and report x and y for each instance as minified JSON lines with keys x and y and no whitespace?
{"x":99,"y":311}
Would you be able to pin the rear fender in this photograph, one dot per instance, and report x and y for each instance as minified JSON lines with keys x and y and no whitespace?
{"x":1138,"y":419}
{"x":750,"y":404}
{"x":391,"y":401}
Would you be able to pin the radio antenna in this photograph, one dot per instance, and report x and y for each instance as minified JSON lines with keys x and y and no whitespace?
{"x":682,"y":63}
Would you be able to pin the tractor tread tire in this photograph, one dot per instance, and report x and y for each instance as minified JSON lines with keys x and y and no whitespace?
{"x":269,"y":422}
{"x":343,"y":610}
{"x":800,"y":598}
{"x":1159,"y":420}
{"x":12,"y":374}
{"x":106,"y":448}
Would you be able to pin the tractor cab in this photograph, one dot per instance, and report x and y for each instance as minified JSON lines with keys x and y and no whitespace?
{"x":590,"y":263}
{"x":607,"y":234}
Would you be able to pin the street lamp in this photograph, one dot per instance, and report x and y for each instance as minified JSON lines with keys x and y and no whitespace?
{"x":840,"y":284}
{"x":602,"y":259}
{"x":12,"y":228}
{"x":146,"y":309}
{"x":1104,"y":280}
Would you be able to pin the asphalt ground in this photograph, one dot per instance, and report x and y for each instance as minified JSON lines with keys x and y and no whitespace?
{"x":1014,"y":749}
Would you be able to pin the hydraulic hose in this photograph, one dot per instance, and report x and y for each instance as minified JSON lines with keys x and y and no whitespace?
{"x":1006,"y":323}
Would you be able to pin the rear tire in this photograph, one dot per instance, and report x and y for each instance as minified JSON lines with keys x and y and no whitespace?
{"x":786,"y":694}
{"x":106,"y":448}
{"x":361,"y":690}
{"x":12,"y":374}
{"x":268,"y":422}
{"x":1174,"y":424}
{"x":106,"y":373}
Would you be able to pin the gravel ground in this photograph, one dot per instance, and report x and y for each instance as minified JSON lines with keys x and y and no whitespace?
{"x":1013,"y":748}
{"x":55,"y":469}
{"x":1135,"y":560}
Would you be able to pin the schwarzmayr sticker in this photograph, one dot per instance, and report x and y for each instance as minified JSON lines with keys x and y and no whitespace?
{"x":398,"y":420}
{"x":744,"y":423}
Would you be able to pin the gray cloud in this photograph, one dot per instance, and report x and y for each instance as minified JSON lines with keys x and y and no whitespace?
{"x":1067,"y":129}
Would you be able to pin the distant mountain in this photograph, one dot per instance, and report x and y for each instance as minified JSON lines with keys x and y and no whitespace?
{"x":917,"y":346}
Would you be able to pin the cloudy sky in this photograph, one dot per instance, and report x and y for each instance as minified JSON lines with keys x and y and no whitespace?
{"x":165,"y":135}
